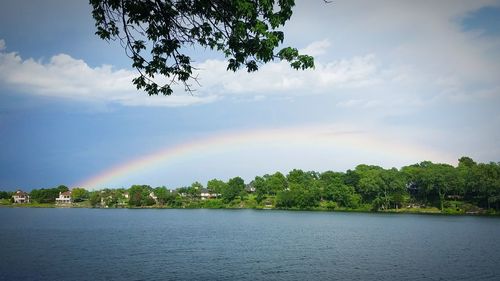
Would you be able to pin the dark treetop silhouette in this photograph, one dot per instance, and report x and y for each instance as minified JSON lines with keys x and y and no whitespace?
{"x":155,"y":33}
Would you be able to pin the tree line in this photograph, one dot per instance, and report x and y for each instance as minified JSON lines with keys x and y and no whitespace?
{"x":468,"y":186}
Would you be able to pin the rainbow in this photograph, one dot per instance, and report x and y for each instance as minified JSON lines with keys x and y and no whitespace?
{"x":318,"y":136}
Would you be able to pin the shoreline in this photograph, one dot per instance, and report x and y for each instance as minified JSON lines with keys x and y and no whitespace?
{"x":391,"y":211}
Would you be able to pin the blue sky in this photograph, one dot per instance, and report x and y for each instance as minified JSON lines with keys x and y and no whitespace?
{"x":422,"y":75}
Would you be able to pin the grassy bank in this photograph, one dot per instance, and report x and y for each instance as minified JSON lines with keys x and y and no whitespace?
{"x":457,"y":209}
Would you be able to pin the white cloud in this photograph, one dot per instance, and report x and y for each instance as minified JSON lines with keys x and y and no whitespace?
{"x":416,"y":40}
{"x":66,"y":77}
{"x":358,"y":103}
{"x":400,"y":53}
{"x":279,"y":79}
{"x":2,"y":44}
{"x":316,"y":48}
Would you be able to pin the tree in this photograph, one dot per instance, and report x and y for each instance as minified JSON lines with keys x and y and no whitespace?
{"x":235,"y":187}
{"x":346,"y":196}
{"x":79,"y":194}
{"x":216,"y":186}
{"x":261,"y":189}
{"x":162,"y":195}
{"x":194,"y":191}
{"x":467,"y":170}
{"x":95,"y":198}
{"x":62,"y":188}
{"x":393,"y":188}
{"x":302,"y":190}
{"x":370,"y":181}
{"x":5,"y":194}
{"x":488,"y":185}
{"x":275,"y":183}
{"x":298,"y":196}
{"x":329,"y":182}
{"x":299,"y":178}
{"x":109,"y":197}
{"x":155,"y":35}
{"x":434,"y":180}
{"x":139,"y":195}
{"x":285,"y":199}
{"x":444,"y":179}
{"x":197,"y":185}
{"x":351,"y":178}
{"x":47,"y":195}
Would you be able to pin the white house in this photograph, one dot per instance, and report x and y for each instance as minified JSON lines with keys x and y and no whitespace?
{"x":64,"y":197}
{"x":249,"y":188}
{"x":21,"y":197}
{"x":152,"y":195}
{"x":206,"y":194}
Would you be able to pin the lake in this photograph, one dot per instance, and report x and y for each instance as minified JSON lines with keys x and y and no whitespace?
{"x":152,"y":244}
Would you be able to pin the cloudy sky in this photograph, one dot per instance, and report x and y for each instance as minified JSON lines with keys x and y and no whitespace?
{"x":395,"y":83}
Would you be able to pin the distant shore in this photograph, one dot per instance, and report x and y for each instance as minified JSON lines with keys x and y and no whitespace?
{"x":424,"y":188}
{"x":425,"y":211}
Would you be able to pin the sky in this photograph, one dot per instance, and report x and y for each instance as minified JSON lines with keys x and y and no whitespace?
{"x":395,"y":83}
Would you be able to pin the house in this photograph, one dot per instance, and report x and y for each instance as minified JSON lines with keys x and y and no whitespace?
{"x":249,"y":188}
{"x":153,"y":195}
{"x":21,"y":197}
{"x":206,"y":194}
{"x":64,"y":197}
{"x":123,"y":200}
{"x":106,"y":199}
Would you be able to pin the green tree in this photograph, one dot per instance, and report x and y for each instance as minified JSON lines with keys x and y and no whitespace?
{"x":488,"y":183}
{"x":346,"y":196}
{"x":435,"y":181}
{"x":196,"y":185}
{"x":305,"y":197}
{"x":351,"y":178}
{"x":162,"y":195}
{"x":95,"y":198}
{"x":47,"y":195}
{"x":329,"y":183}
{"x":109,"y":197}
{"x":79,"y":194}
{"x":216,"y":186}
{"x":275,"y":183}
{"x":193,"y":191}
{"x":285,"y":199}
{"x":393,"y":190}
{"x":298,"y":196}
{"x":6,"y":194}
{"x":235,"y":187}
{"x":467,"y":170}
{"x":444,"y":179}
{"x":467,"y":162}
{"x":297,"y":176}
{"x":155,"y":35}
{"x":303,"y":190}
{"x":62,"y":188}
{"x":370,"y":181}
{"x":140,"y":195}
{"x":414,"y":178}
{"x":261,"y":188}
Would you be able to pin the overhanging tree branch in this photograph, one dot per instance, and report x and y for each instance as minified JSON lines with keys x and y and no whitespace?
{"x":154,"y":33}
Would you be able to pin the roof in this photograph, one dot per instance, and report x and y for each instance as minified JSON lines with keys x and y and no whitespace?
{"x":66,"y":192}
{"x":20,"y":193}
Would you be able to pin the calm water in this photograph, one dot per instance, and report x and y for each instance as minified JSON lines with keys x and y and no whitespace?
{"x":93,"y":244}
